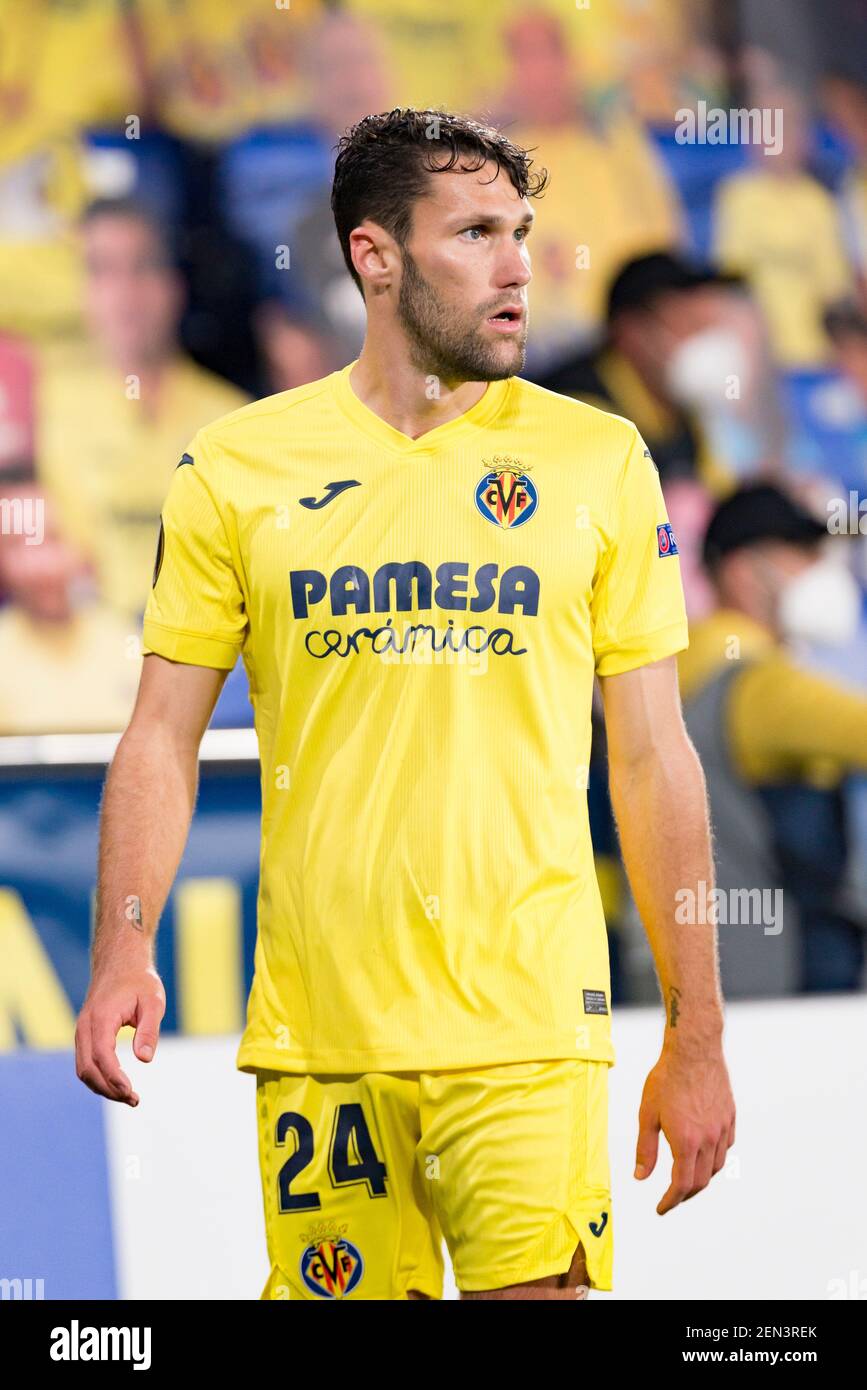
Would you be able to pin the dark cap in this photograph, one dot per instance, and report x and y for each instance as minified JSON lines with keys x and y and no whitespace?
{"x":844,"y":318}
{"x":758,"y":512}
{"x":642,"y":279}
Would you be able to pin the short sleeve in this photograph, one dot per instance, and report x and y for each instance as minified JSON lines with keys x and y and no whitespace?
{"x":195,"y":611}
{"x":637,"y":609}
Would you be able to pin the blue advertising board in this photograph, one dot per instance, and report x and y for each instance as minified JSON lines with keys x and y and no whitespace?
{"x":48,"y":862}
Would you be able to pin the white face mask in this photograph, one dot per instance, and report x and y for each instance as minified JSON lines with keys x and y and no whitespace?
{"x":821,"y":604}
{"x":699,"y":371}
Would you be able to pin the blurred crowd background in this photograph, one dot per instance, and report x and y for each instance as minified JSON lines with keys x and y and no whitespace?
{"x":167,"y":252}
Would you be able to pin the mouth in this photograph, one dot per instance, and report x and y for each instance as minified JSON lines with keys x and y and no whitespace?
{"x":508,"y":320}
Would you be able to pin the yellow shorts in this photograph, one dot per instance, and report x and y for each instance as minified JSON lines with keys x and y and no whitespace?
{"x":363,"y":1176}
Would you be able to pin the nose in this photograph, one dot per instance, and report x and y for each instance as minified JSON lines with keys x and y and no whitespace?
{"x":515,"y":266}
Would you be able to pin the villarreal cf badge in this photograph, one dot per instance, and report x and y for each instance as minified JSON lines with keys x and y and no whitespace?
{"x":506,"y":496}
{"x":331,"y":1266}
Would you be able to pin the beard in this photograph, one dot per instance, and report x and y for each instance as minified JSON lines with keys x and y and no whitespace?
{"x":440,"y":345}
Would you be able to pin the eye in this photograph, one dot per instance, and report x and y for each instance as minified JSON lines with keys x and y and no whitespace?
{"x":522,"y":233}
{"x":477,"y":228}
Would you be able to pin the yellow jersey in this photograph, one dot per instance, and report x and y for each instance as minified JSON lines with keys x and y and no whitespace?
{"x":73,"y":677}
{"x":220,"y":67}
{"x":785,"y":235}
{"x":421,"y":621}
{"x":105,"y":460}
{"x":785,"y":722}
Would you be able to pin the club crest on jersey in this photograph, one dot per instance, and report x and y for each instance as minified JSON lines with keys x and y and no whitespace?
{"x":331,"y":1266}
{"x":665,"y":540}
{"x":506,"y":496}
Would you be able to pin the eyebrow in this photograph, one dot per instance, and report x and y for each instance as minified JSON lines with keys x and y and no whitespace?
{"x":492,"y":219}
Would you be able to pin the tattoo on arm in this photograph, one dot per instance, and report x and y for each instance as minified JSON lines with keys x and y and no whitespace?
{"x":674,"y":1000}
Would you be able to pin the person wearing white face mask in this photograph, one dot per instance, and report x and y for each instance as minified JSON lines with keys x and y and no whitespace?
{"x":686,"y":357}
{"x":822,"y":603}
{"x":777,"y":743}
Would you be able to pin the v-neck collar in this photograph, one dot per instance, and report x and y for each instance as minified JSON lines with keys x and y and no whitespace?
{"x":367,"y":420}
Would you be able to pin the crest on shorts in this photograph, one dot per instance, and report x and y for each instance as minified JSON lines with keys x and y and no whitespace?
{"x":505,"y":495}
{"x":331,"y":1266}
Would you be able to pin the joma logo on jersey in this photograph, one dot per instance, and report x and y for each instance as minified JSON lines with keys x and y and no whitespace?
{"x":408,"y":587}
{"x":506,"y":496}
{"x":332,"y":1268}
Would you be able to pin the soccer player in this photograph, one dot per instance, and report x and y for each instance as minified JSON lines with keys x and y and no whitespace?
{"x":424,"y":561}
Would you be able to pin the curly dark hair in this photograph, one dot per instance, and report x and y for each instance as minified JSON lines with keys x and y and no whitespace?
{"x":383,"y":163}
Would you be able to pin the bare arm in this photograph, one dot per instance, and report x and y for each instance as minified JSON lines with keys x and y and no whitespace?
{"x":147,"y":806}
{"x":659,"y":800}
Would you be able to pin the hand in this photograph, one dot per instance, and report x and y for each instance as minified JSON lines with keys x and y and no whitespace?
{"x":688,"y":1097}
{"x":133,"y":996}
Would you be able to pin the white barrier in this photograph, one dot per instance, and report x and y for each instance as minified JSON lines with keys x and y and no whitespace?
{"x":786,"y":1219}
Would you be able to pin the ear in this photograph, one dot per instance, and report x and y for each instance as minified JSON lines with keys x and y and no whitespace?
{"x":375,"y":255}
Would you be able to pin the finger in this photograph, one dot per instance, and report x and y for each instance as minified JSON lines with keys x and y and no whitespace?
{"x":85,"y":1066}
{"x":87,"y":1069}
{"x":703,"y":1171}
{"x":719,"y":1158}
{"x":681,"y":1181}
{"x":117,"y":1083}
{"x":147,"y":1030}
{"x":647,"y":1149}
{"x":83,"y":1059}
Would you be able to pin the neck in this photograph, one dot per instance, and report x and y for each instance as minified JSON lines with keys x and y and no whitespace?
{"x":405,"y":395}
